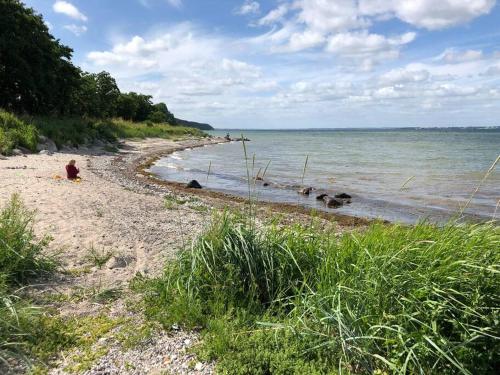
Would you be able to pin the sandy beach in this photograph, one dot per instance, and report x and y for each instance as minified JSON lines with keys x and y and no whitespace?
{"x":118,"y":211}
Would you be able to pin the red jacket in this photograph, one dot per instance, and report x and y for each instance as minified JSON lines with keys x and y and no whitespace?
{"x":72,"y":171}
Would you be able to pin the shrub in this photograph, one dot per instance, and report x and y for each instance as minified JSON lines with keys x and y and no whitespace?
{"x":15,"y":133}
{"x":21,"y":253}
{"x":420,"y":299}
{"x":22,"y":325}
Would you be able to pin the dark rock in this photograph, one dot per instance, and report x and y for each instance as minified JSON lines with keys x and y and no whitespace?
{"x":343,"y":196}
{"x":193,"y":184}
{"x":17,"y":152}
{"x":258,"y":178}
{"x":45,"y":143}
{"x":321,"y":196}
{"x":119,"y":262}
{"x":332,"y":202}
{"x":265,"y":184}
{"x":306,"y":191}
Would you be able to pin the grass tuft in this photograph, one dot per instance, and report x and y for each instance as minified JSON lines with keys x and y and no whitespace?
{"x":296,"y":299}
{"x":21,"y":253}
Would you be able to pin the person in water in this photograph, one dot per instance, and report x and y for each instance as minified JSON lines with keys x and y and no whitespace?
{"x":72,"y":170}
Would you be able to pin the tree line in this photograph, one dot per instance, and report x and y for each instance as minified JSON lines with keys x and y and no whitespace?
{"x":38,"y":77}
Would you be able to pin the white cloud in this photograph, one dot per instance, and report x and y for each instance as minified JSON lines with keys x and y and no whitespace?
{"x":303,"y":24}
{"x":362,"y":43}
{"x":221,"y":79}
{"x":330,"y":16}
{"x":248,"y":7}
{"x":274,"y":15}
{"x":453,"y":56}
{"x":429,"y":14}
{"x":76,"y":29}
{"x":493,"y":70}
{"x":306,"y":39}
{"x":69,"y":10}
{"x":404,"y":75}
{"x":432,"y":14}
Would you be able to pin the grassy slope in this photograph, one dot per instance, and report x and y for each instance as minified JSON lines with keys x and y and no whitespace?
{"x":15,"y":132}
{"x":287,"y":300}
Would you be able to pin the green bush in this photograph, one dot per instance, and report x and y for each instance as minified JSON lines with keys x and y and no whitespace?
{"x":15,"y":133}
{"x":276,"y":299}
{"x":22,"y":325}
{"x":21,"y":253}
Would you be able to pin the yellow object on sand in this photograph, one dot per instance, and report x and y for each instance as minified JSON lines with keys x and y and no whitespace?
{"x":77,"y":180}
{"x":57,"y":177}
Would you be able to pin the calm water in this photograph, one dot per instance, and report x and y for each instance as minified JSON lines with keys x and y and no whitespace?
{"x":441,"y":168}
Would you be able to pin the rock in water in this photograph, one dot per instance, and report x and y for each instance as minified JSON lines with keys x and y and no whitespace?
{"x":193,"y":184}
{"x":321,"y":197}
{"x":343,"y":196}
{"x":265,"y":184}
{"x":332,"y":202}
{"x":306,"y":191}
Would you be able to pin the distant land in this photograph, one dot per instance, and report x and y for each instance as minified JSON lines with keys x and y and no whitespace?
{"x":193,"y":124}
{"x":378,"y":129}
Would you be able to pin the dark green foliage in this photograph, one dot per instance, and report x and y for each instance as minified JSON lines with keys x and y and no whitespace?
{"x":420,"y":299}
{"x":37,"y":77}
{"x":160,"y":114}
{"x":193,"y":124}
{"x":138,"y":107}
{"x":15,"y":133}
{"x":97,"y":96}
{"x":36,"y":74}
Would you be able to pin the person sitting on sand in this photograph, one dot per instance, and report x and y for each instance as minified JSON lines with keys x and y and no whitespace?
{"x":72,"y":170}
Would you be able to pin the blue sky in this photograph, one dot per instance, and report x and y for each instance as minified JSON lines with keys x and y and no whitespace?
{"x":295,"y":63}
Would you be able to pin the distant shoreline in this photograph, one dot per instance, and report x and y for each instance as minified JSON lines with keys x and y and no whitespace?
{"x":434,"y":128}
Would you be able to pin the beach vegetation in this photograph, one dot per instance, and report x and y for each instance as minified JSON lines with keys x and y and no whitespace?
{"x":25,"y":329}
{"x":98,"y":257}
{"x":15,"y":132}
{"x":23,"y":256}
{"x":298,"y":299}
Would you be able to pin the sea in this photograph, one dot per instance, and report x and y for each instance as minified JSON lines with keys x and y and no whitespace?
{"x":401,"y":175}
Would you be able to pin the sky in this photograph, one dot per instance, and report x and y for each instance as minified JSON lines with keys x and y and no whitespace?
{"x":295,"y":63}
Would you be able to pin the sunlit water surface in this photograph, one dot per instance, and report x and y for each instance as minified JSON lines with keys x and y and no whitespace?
{"x":399,"y":175}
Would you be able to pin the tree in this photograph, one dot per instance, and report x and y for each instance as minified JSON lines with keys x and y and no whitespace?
{"x":160,"y":113}
{"x":108,"y":93}
{"x":36,"y":73}
{"x":134,"y":106}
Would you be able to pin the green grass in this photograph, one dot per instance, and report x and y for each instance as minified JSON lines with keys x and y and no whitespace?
{"x":98,"y":257}
{"x":24,"y":130}
{"x":78,"y":131}
{"x":15,"y":133}
{"x":22,"y":258}
{"x":22,"y":254}
{"x":294,"y":299}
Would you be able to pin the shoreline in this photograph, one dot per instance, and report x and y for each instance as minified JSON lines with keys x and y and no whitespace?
{"x":408,"y":214}
{"x":142,"y":174}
